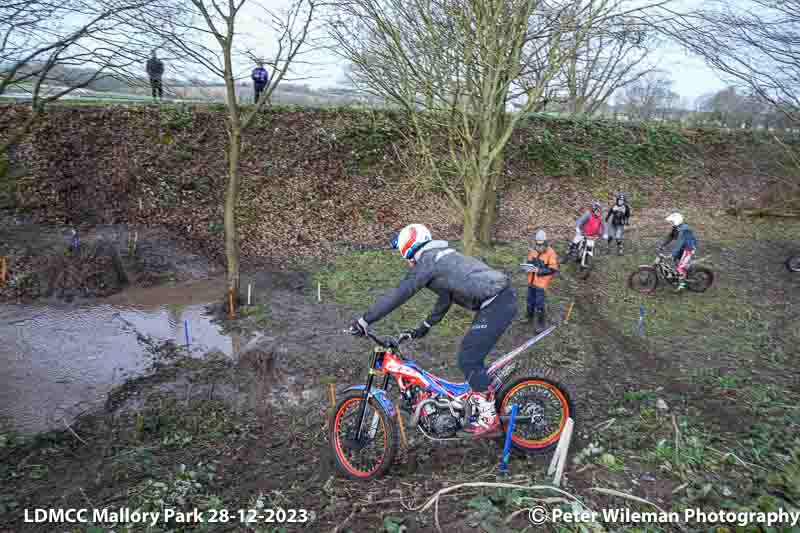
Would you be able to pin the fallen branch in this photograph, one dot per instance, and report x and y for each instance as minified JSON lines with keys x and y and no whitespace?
{"x":627,"y":496}
{"x":432,"y":500}
{"x":763,"y":212}
{"x":73,"y":431}
{"x":344,"y":522}
{"x":739,"y":459}
{"x":677,"y":440}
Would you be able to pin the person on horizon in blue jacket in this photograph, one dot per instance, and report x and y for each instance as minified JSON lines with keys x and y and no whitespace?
{"x":260,"y":80}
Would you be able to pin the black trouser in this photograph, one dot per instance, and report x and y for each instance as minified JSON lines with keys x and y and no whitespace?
{"x":259,"y":88}
{"x":156,"y":88}
{"x":487,"y":327}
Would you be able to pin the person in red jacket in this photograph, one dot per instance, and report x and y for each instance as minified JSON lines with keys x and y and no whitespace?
{"x":590,"y":225}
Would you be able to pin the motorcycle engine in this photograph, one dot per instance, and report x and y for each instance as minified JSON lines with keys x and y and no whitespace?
{"x":440,"y":423}
{"x":443,"y":425}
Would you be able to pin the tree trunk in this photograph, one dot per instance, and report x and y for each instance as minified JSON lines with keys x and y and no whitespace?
{"x":231,"y":200}
{"x":470,"y":234}
{"x":489,"y":210}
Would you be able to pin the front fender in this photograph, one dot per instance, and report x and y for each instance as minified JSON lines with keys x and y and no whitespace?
{"x":380,"y":395}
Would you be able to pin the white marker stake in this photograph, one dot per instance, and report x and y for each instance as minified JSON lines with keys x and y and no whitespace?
{"x":248,"y":294}
{"x":319,"y":291}
{"x":566,"y":438}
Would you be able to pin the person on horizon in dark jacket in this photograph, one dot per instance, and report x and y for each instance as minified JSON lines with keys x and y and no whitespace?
{"x":155,"y":71}
{"x":467,"y":282}
{"x":260,"y":80}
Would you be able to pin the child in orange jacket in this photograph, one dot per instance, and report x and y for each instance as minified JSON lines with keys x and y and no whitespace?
{"x":543,"y":267}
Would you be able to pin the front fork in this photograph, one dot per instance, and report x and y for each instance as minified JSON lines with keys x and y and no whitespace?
{"x":365,"y":396}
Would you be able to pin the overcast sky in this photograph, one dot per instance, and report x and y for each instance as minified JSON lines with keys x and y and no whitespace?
{"x":692,"y":78}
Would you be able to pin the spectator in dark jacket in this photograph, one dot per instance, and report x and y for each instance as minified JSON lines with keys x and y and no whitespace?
{"x":260,"y":80}
{"x":155,"y":70}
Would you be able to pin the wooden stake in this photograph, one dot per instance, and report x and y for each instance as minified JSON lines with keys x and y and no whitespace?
{"x":333,"y":397}
{"x":403,"y":439}
{"x":569,"y":311}
{"x":230,"y":301}
{"x":2,"y":269}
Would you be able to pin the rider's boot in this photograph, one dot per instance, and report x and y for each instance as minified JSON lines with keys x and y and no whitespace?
{"x":541,"y":321}
{"x":681,"y":283}
{"x":486,"y":422}
{"x":619,"y":247}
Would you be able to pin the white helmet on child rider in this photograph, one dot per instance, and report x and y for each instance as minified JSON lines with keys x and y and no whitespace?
{"x":675,"y":218}
{"x":410,"y":239}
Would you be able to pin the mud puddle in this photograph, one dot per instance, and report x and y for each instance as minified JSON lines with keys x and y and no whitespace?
{"x":60,"y":359}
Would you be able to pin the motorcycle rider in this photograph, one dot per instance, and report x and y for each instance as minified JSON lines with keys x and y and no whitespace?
{"x":684,"y":249}
{"x":544,"y":263}
{"x":463,"y":280}
{"x":620,"y":216}
{"x":589,"y":224}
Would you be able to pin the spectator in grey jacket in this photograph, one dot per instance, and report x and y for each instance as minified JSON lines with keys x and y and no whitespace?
{"x":463,"y":280}
{"x":155,"y":71}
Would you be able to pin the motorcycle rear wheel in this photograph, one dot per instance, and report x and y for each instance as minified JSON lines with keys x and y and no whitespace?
{"x":644,"y":280}
{"x":699,"y":279}
{"x":541,"y":396}
{"x":793,"y":263}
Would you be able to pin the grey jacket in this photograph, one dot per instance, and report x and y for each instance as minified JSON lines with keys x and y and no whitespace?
{"x":454,"y":277}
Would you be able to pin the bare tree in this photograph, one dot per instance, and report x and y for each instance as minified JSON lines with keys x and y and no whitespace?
{"x":614,"y":56}
{"x":649,"y":97}
{"x":206,"y":37}
{"x":453,"y":66}
{"x":43,"y":43}
{"x":754,"y":42}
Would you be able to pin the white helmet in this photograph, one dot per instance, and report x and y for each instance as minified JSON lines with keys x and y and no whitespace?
{"x":540,"y":235}
{"x":411,"y":239}
{"x":675,"y":218}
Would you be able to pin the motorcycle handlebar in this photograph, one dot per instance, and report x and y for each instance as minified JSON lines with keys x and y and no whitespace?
{"x":386,"y":341}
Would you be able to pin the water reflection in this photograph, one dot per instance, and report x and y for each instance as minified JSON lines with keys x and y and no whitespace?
{"x":61,"y":359}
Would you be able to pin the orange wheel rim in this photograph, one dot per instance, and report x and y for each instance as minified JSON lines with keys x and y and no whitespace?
{"x":337,"y":442}
{"x":546,"y":441}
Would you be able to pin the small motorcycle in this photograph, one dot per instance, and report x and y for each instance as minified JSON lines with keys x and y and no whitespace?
{"x":793,"y":263}
{"x":363,"y":430}
{"x":646,"y":278}
{"x":584,"y":256}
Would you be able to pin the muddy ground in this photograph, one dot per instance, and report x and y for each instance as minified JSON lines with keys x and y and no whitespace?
{"x":701,"y":411}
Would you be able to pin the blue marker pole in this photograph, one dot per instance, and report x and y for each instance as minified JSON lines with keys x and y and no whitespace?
{"x":186,"y":329}
{"x":507,"y":448}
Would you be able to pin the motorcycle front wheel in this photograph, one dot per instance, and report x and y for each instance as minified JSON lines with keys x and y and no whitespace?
{"x":699,"y":279}
{"x":585,"y":267}
{"x":793,"y":263}
{"x":370,"y":456}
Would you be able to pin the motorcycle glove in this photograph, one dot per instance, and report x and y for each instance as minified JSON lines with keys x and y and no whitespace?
{"x":359,"y":327}
{"x":421,"y":331}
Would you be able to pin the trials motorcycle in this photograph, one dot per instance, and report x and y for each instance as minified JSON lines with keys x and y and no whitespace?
{"x":363,"y":429}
